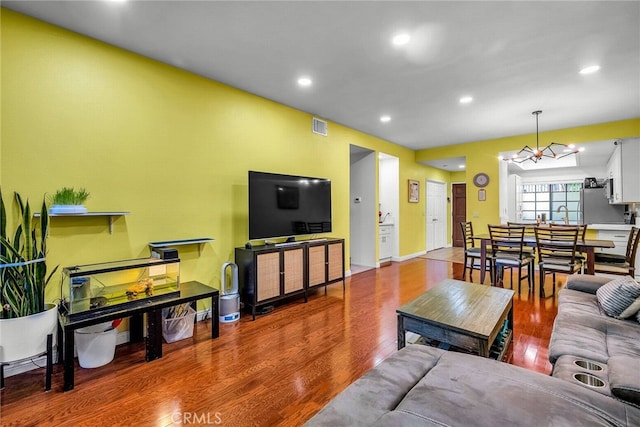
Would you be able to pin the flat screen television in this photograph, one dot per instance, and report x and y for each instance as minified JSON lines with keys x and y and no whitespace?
{"x":288,"y":205}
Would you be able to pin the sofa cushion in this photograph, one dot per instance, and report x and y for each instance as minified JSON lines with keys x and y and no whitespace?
{"x":616,"y":295}
{"x":624,"y":378}
{"x":623,"y":338}
{"x":579,"y":334}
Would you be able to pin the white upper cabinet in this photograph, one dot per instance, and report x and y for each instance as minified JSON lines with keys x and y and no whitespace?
{"x":624,"y":168}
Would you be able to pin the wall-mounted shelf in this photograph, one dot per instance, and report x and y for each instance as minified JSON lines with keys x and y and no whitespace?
{"x":197,"y":241}
{"x":110,"y":215}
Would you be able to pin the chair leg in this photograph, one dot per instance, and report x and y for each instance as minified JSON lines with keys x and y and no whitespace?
{"x":530,"y":273}
{"x":519,"y":278}
{"x":541,"y":283}
{"x":464,"y":269}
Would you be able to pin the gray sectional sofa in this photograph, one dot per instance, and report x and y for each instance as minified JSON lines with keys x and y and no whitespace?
{"x":595,"y":380}
{"x":426,"y":386}
{"x":598,"y":348}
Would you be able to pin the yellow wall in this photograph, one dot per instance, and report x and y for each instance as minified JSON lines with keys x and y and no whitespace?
{"x":482,"y":156}
{"x":171,"y":147}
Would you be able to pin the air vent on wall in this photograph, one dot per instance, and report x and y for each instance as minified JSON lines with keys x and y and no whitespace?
{"x":319,"y":126}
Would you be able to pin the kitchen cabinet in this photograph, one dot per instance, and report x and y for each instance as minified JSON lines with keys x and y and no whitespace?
{"x":622,"y":168}
{"x":386,"y":242}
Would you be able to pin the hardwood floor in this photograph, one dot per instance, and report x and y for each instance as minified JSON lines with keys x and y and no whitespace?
{"x":279,"y":370}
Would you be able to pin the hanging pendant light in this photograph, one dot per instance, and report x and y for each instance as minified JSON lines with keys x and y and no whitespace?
{"x":551,"y":151}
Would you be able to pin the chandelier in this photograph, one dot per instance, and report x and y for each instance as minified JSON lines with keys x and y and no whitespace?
{"x":552,"y":151}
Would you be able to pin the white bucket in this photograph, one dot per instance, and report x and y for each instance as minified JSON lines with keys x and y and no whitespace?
{"x":96,"y":345}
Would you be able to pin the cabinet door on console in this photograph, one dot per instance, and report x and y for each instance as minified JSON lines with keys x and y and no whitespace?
{"x":268,"y":275}
{"x":317,"y":265}
{"x":336,"y":259}
{"x":293,"y":270}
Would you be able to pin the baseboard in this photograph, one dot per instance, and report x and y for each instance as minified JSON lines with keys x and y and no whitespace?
{"x":406,"y":257}
{"x":41,"y":361}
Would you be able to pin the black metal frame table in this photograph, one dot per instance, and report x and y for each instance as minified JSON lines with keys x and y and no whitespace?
{"x":190,"y":292}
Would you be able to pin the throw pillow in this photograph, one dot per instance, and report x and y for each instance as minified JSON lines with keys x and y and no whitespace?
{"x":631,"y":310}
{"x":616,"y":295}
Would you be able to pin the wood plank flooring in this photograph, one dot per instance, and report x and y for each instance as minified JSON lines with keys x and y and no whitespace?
{"x":279,"y":370}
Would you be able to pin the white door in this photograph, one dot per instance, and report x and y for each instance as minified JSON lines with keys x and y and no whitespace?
{"x":436,"y":215}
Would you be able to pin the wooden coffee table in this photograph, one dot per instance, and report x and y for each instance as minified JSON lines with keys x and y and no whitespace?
{"x":464,"y":315}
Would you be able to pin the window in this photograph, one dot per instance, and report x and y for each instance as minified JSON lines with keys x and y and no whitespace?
{"x":544,"y":200}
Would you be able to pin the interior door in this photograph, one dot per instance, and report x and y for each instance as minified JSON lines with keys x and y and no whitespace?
{"x":436,"y":215}
{"x":459,"y":212}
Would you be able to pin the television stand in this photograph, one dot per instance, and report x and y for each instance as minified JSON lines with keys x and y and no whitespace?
{"x":272,"y":273}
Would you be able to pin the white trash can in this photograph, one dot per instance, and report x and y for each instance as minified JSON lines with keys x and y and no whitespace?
{"x":96,"y":345}
{"x":178,"y":328}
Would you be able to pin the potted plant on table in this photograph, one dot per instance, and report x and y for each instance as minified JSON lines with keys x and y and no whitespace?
{"x":67,"y":200}
{"x":25,"y":318}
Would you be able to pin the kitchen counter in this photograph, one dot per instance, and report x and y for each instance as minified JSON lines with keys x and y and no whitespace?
{"x":619,"y":226}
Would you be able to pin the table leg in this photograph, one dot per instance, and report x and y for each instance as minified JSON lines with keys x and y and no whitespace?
{"x":215,"y":317}
{"x":68,"y":363}
{"x":154,"y":335}
{"x":401,"y":333}
{"x":60,"y":344}
{"x":591,"y":260}
{"x":483,"y":348}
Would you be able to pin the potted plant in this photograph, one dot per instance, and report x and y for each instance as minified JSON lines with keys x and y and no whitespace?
{"x":25,"y":318}
{"x":69,"y":201}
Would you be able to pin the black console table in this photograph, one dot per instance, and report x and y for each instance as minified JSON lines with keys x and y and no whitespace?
{"x":190,"y":292}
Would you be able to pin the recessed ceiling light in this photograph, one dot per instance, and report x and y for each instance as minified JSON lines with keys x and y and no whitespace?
{"x":466,"y":100}
{"x":385,"y":119}
{"x":401,"y":39}
{"x":590,"y":70}
{"x":304,"y":81}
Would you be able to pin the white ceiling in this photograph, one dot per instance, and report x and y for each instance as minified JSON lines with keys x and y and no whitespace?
{"x":511,"y":57}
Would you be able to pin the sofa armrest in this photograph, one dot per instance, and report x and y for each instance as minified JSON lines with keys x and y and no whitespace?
{"x":586,"y":283}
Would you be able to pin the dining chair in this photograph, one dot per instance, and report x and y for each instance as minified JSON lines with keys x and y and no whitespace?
{"x":472,"y":253}
{"x":582,"y":233}
{"x":620,"y":264}
{"x":528,"y":231}
{"x":508,"y":251}
{"x":556,"y":248}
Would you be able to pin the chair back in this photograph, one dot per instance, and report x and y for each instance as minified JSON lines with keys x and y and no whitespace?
{"x":507,"y":240}
{"x":557,"y":244}
{"x":467,"y":233}
{"x":528,"y":227}
{"x":582,"y":228}
{"x":632,"y":246}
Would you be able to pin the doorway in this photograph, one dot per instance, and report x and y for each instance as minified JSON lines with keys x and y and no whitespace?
{"x":436,"y":217}
{"x":362,"y":209}
{"x":458,"y":212}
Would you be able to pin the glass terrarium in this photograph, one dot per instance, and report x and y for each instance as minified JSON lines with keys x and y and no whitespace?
{"x":94,"y":286}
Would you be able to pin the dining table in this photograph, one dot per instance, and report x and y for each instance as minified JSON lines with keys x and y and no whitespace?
{"x":586,"y":246}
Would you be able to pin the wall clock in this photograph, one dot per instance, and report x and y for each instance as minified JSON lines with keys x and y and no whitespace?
{"x":481,"y":179}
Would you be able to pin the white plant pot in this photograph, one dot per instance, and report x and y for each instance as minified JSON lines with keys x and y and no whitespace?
{"x":67,"y":209}
{"x":26,"y":336}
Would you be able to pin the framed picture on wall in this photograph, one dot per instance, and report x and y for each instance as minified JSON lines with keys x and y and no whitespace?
{"x":482,"y":195}
{"x":414,"y":191}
